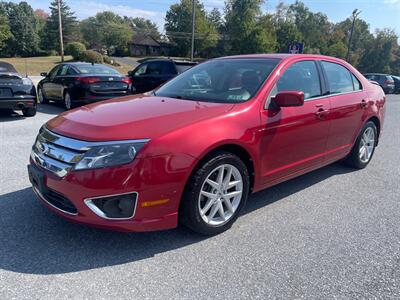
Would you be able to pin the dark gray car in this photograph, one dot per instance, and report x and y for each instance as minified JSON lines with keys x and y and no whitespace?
{"x":385,"y":81}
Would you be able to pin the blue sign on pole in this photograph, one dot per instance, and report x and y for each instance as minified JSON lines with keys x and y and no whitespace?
{"x":296,"y":48}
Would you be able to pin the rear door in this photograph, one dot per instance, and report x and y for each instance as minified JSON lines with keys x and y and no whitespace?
{"x":348,"y":103}
{"x":294,"y":138}
{"x":158,"y":72}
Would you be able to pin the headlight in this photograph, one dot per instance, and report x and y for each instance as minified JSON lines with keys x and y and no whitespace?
{"x":109,"y":155}
{"x":26,"y":81}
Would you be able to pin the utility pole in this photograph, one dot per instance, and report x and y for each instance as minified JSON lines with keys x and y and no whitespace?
{"x":355,"y":14}
{"x":60,"y":29}
{"x":193,"y":26}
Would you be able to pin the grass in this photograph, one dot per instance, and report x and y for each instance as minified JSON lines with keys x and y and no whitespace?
{"x":33,"y":66}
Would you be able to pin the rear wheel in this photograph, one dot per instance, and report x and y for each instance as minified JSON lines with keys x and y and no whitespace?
{"x":29,"y":112}
{"x":68,"y":104}
{"x":215,"y":194}
{"x":41,"y":97}
{"x":364,"y":147}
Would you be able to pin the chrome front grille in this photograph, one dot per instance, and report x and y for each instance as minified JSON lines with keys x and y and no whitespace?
{"x":56,"y":153}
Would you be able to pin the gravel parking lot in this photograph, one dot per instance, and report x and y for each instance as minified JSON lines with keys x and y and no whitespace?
{"x":333,"y":233}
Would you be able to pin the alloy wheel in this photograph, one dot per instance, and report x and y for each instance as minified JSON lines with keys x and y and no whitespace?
{"x":40,"y":96}
{"x":220,"y":195}
{"x":367,"y":145}
{"x":67,"y":101}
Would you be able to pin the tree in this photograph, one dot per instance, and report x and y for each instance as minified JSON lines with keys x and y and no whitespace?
{"x":215,"y":18}
{"x":248,"y":31}
{"x":144,"y":26}
{"x":178,"y":24}
{"x":24,"y":39}
{"x":106,"y":30}
{"x":50,"y":33}
{"x":5,"y":32}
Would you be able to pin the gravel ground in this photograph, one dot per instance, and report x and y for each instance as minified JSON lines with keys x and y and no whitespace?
{"x":333,"y":233}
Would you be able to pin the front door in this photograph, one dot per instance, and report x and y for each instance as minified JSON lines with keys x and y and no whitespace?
{"x":294,"y":138}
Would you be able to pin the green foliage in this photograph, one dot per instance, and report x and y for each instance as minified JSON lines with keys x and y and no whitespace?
{"x":178,"y":24}
{"x":75,"y":49}
{"x":92,"y":57}
{"x":106,"y":30}
{"x":24,"y":39}
{"x":143,"y":26}
{"x":5,"y":32}
{"x":50,"y":34}
{"x":247,"y":29}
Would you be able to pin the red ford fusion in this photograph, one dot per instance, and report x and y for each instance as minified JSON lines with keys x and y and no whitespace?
{"x":193,"y":150}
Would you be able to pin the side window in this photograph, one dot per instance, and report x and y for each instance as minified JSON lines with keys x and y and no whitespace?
{"x":155,"y":68}
{"x":356,"y":83}
{"x":71,"y":71}
{"x":53,"y":72}
{"x":169,"y":68}
{"x":62,"y":71}
{"x":141,"y":70}
{"x":339,"y":78}
{"x":301,"y":76}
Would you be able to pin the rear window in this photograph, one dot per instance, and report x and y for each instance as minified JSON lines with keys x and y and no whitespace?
{"x":182,"y":67}
{"x":96,"y":69}
{"x":7,"y":68}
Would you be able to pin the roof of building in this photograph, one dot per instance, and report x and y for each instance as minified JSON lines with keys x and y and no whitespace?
{"x":144,"y":40}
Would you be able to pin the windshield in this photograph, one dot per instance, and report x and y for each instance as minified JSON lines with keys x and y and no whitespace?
{"x":223,"y":80}
{"x":96,"y":69}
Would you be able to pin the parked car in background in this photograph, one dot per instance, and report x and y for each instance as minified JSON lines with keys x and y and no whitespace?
{"x":385,"y":81}
{"x":80,"y":83}
{"x":16,"y":91}
{"x":194,"y":149}
{"x":396,"y":80}
{"x":154,"y":72}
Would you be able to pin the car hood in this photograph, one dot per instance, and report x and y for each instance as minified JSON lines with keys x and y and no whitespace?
{"x":133,"y":117}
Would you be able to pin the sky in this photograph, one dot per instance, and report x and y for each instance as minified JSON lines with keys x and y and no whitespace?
{"x":378,"y":13}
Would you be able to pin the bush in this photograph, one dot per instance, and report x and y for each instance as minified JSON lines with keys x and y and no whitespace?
{"x":92,"y":57}
{"x":108,"y":60}
{"x":75,"y":49}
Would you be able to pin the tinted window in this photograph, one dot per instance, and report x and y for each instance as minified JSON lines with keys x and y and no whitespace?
{"x":155,"y":68}
{"x":339,"y":78}
{"x":141,"y":70}
{"x":169,"y":68}
{"x":62,"y":71}
{"x":301,"y":76}
{"x":223,"y":80}
{"x":356,"y":83}
{"x":96,"y":69}
{"x":71,"y":71}
{"x":53,"y":72}
{"x":183,"y":68}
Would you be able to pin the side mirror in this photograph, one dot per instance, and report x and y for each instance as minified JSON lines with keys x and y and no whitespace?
{"x":289,"y":98}
{"x":44,"y":74}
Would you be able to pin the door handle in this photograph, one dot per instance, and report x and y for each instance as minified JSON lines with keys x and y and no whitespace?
{"x":364,"y":103}
{"x":321,"y":113}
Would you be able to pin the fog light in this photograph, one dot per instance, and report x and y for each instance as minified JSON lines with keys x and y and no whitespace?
{"x":114,"y":207}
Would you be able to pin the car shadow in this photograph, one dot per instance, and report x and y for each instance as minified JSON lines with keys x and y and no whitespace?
{"x":52,"y":108}
{"x":7,"y":115}
{"x":35,"y":241}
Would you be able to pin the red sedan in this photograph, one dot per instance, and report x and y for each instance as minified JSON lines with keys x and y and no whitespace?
{"x":192,"y":151}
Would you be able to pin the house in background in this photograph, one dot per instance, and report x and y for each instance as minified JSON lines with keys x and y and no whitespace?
{"x":146,"y":45}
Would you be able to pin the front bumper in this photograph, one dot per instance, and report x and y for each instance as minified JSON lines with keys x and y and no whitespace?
{"x":150,"y":178}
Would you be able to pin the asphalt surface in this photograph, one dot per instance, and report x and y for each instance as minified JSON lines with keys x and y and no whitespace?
{"x":333,"y":233}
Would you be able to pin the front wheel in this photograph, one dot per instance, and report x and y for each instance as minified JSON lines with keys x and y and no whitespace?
{"x":215,"y":194}
{"x":364,"y":147}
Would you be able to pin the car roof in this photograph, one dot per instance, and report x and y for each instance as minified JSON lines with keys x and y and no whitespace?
{"x":282,"y":56}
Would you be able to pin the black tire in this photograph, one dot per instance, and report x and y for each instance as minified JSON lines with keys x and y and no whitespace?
{"x":189,"y":214}
{"x":68,"y":104}
{"x":353,"y":159}
{"x":41,"y":98}
{"x":29,"y":112}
